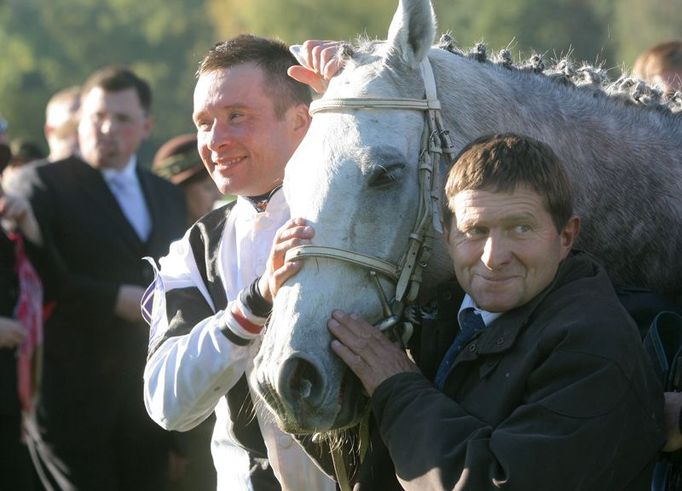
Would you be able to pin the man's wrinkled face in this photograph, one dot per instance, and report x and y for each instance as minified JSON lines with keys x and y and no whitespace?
{"x":243,"y":143}
{"x":112,"y":127}
{"x":505,"y":246}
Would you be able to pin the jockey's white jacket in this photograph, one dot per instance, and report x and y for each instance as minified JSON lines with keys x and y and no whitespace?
{"x":194,"y":360}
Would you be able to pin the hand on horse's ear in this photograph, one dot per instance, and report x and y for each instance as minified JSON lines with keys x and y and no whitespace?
{"x":318,"y":63}
{"x":308,"y":77}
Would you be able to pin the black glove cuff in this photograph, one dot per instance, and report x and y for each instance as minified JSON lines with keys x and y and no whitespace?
{"x":253,"y":300}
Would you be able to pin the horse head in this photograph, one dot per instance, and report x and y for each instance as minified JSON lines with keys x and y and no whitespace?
{"x":354,"y":178}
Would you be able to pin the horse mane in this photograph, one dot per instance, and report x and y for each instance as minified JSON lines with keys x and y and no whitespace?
{"x":627,"y":89}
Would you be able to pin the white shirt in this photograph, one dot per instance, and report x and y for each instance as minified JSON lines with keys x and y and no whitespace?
{"x":127,"y":190}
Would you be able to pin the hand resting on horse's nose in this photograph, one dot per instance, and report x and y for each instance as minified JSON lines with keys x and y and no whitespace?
{"x":371,"y":356}
{"x":293,"y":233}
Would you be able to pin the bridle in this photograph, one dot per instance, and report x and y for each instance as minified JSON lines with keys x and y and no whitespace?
{"x":407,"y":274}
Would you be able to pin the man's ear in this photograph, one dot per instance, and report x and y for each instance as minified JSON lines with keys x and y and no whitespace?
{"x":300,"y":119}
{"x":149,"y":124}
{"x":569,"y":234}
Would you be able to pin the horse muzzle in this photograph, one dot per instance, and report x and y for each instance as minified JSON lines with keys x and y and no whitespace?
{"x":306,"y":396}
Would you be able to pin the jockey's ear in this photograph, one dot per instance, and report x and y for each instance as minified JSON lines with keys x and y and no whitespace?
{"x":412,"y":30}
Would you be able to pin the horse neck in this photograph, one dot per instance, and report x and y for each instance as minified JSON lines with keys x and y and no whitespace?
{"x":483,"y":98}
{"x":607,"y":146}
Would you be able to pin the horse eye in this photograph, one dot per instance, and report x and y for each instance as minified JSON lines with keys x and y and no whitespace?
{"x":385,"y":175}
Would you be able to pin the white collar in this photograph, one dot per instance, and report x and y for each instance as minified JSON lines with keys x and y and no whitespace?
{"x":488,"y":317}
{"x":127,"y":172}
{"x":245,"y":208}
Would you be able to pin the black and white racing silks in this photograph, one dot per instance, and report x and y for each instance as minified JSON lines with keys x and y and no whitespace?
{"x":200,"y":361}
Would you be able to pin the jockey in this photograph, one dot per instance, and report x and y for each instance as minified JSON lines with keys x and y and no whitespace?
{"x":213,"y":292}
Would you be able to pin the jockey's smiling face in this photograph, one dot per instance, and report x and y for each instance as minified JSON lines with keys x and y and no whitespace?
{"x":243,"y":142}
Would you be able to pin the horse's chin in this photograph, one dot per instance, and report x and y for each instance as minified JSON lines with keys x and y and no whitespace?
{"x":353,"y":402}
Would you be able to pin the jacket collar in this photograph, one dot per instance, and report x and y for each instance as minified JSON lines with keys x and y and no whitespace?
{"x":502,"y":333}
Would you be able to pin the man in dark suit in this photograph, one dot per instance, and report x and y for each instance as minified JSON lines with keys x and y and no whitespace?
{"x":99,"y":215}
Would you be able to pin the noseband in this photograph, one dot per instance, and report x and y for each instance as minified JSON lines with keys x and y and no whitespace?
{"x":407,"y":274}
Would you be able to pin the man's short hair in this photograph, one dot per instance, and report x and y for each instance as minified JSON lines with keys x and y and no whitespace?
{"x":70,"y":96}
{"x":664,"y":57}
{"x":272,"y":56}
{"x":504,"y":162}
{"x":61,"y":111}
{"x":119,"y":78}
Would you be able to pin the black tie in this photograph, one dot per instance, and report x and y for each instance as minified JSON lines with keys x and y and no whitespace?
{"x":469,"y":323}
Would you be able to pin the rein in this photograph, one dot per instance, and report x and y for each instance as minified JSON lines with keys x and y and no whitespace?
{"x":407,"y":274}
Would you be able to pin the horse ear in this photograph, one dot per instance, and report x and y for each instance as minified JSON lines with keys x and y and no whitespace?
{"x":412,"y":30}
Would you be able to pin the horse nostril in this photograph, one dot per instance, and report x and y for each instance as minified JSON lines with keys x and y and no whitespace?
{"x":301,"y":382}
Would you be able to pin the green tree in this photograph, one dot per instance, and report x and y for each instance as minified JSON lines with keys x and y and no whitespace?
{"x":50,"y":44}
{"x":551,"y":27}
{"x":296,"y":20}
{"x":641,"y":24}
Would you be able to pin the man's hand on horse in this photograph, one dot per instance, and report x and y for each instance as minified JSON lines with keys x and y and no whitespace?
{"x":319,"y":63}
{"x":366,"y":350}
{"x":293,"y":233}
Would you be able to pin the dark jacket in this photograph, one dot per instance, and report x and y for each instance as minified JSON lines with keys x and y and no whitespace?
{"x":92,"y":385}
{"x":555,"y":395}
{"x":9,"y":286}
{"x":91,"y":251}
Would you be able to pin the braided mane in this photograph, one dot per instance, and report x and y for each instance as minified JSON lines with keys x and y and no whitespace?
{"x":626,"y":88}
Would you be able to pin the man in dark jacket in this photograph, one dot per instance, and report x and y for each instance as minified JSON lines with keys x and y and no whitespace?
{"x":534,"y":376}
{"x":99,"y":215}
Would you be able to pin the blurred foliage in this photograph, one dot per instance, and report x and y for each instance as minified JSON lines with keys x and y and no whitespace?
{"x":51,"y":44}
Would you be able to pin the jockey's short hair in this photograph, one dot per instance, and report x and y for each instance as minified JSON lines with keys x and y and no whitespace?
{"x":272,"y":56}
{"x":116,"y":78}
{"x":504,"y":162}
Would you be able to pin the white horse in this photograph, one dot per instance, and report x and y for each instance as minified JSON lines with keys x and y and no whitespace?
{"x":355,"y":179}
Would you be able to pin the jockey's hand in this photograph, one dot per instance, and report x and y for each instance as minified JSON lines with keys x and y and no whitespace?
{"x":673,"y":405}
{"x":366,"y":350}
{"x":319,"y":63}
{"x":293,"y":233}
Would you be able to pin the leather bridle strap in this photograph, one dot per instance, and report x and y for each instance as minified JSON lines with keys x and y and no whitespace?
{"x":373,"y":103}
{"x":407,"y":275}
{"x":372,"y":263}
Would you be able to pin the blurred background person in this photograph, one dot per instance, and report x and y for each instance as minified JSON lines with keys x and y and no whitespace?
{"x":61,"y":132}
{"x":100,"y":213}
{"x":23,"y":154}
{"x":178,"y":161}
{"x":4,"y":138}
{"x":661,"y":65}
{"x":61,"y":123}
{"x":20,"y":334}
